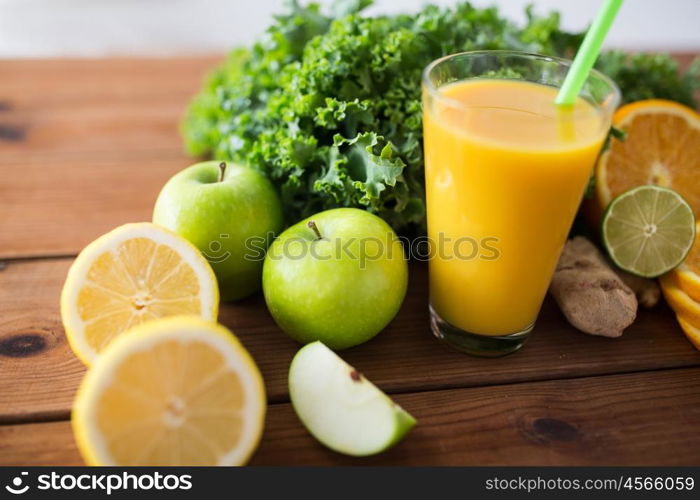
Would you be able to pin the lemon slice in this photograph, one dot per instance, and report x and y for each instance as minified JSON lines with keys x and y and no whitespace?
{"x":691,"y":332}
{"x":648,"y":230}
{"x":176,"y":391}
{"x":135,"y":273}
{"x":688,"y":280}
{"x":687,"y":275}
{"x":681,"y":303}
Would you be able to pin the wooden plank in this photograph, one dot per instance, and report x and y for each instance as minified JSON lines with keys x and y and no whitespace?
{"x":86,"y":145}
{"x":685,"y":58}
{"x":638,"y":419}
{"x":131,"y":130}
{"x":95,"y":108}
{"x":38,"y":371}
{"x":49,"y":443}
{"x":635,"y":419}
{"x":59,"y":82}
{"x":58,"y":207}
{"x":403,"y":358}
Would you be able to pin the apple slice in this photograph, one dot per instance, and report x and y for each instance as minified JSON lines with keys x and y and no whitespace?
{"x":341,"y":408}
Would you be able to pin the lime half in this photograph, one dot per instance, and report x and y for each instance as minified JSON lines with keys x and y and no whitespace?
{"x":648,"y":230}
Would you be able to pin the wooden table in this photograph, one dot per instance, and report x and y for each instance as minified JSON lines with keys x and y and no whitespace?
{"x":86,"y":146}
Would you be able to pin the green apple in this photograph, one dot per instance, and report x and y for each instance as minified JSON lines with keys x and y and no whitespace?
{"x":340,"y":407}
{"x":231,"y":213}
{"x":339,"y":276}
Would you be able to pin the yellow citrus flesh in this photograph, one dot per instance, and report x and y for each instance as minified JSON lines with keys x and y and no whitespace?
{"x":175,"y":391}
{"x":692,"y":332}
{"x":661,"y":147}
{"x":679,"y":301}
{"x":687,"y":275}
{"x":133,"y":274}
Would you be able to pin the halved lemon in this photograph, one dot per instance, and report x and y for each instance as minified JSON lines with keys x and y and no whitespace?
{"x":661,"y":147}
{"x":692,"y":332}
{"x":176,"y":391}
{"x":133,"y":274}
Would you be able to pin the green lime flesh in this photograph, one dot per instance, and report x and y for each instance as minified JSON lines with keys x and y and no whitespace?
{"x":648,"y":230}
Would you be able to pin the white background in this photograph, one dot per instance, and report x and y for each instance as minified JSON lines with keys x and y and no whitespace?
{"x":92,"y":28}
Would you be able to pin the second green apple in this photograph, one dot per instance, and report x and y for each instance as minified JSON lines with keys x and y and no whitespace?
{"x":339,"y":276}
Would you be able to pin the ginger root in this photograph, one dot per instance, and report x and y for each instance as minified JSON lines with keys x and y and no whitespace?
{"x":647,"y":290}
{"x":590,"y":294}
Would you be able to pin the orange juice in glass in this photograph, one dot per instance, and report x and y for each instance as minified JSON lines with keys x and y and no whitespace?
{"x":505,"y":171}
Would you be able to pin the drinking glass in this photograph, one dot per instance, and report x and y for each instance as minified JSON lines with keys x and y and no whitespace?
{"x":505,"y":172}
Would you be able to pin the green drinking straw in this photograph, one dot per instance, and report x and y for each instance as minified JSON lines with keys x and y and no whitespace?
{"x":587,"y":53}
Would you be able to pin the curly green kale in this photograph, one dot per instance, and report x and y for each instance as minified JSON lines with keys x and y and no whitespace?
{"x":328,"y":106}
{"x":647,"y":76}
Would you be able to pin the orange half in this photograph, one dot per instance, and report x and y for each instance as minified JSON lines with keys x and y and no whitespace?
{"x":662,"y":147}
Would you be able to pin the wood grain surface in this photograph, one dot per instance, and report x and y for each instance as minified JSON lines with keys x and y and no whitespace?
{"x":86,"y":145}
{"x":40,"y":373}
{"x":94,"y":109}
{"x":585,"y":421}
